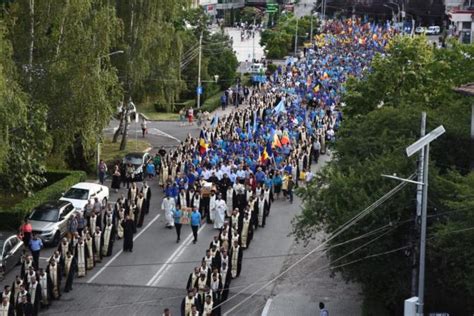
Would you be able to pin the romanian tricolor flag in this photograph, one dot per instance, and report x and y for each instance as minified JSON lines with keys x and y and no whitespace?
{"x":276,"y":141}
{"x":264,"y":157}
{"x":202,"y":144}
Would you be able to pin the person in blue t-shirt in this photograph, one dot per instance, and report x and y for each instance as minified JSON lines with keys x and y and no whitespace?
{"x":177,"y":214}
{"x":195,"y":223}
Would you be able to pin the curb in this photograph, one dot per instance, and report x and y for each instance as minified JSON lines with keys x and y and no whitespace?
{"x":150,"y":120}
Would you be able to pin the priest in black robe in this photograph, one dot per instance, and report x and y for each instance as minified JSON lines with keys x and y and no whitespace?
{"x":34,"y":291}
{"x":70,"y":268}
{"x":127,"y":225}
{"x":193,"y":276}
{"x":53,"y":270}
{"x":6,"y":308}
{"x":188,"y":302}
{"x":146,"y":190}
{"x":235,"y":260}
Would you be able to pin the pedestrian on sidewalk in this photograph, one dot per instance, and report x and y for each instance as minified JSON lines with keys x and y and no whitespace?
{"x":190,"y":116}
{"x":144,"y":129}
{"x":35,"y":246}
{"x":223,"y":101}
{"x":291,"y":184}
{"x":195,"y":223}
{"x":102,"y":171}
{"x":25,"y":231}
{"x":323,"y":311}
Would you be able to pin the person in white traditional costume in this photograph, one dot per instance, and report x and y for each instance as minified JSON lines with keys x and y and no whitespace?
{"x":167,"y":206}
{"x":220,"y":212}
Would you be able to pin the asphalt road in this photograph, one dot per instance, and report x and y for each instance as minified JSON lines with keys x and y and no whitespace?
{"x":154,"y":276}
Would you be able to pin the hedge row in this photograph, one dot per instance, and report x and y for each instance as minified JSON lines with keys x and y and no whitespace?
{"x":11,"y":219}
{"x":212,"y":103}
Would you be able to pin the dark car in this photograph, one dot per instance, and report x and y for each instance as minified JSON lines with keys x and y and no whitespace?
{"x":49,"y":220}
{"x":138,"y":161}
{"x":11,"y":249}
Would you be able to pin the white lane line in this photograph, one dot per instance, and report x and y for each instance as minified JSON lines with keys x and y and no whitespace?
{"x":266,"y":309}
{"x":161,"y":133}
{"x":170,"y":261}
{"x":121,"y":250}
{"x":163,"y":267}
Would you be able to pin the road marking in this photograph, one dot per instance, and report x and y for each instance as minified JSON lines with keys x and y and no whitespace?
{"x":173,"y":258}
{"x":121,"y":250}
{"x":266,"y":309}
{"x":161,"y":133}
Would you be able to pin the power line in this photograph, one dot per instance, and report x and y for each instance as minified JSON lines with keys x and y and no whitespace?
{"x":336,"y":233}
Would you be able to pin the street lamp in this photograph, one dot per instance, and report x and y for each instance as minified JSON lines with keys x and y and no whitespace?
{"x":422,"y":145}
{"x":99,"y":59}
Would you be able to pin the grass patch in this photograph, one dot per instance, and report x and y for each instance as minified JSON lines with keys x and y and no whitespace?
{"x":149,"y":111}
{"x":111,"y":152}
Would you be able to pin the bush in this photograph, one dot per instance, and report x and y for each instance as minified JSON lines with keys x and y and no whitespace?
{"x":160,"y":107}
{"x":272,"y":68}
{"x":11,"y":219}
{"x":212,"y":103}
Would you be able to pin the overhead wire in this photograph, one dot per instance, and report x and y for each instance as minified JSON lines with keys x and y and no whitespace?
{"x":321,"y":269}
{"x":336,"y":233}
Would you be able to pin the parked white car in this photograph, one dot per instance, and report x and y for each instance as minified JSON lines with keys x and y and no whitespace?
{"x":420,"y":30}
{"x":81,"y":192}
{"x":433,"y":30}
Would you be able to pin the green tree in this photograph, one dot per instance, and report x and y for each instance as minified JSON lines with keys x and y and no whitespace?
{"x":150,"y":65}
{"x":23,"y":137}
{"x":381,"y":119}
{"x":59,"y":48}
{"x":280,"y":40}
{"x":250,"y":14}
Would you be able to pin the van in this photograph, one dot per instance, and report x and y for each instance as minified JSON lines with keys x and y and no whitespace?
{"x":433,"y":30}
{"x":257,"y":68}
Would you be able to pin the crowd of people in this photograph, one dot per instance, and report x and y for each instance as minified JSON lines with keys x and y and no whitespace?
{"x":90,"y":237}
{"x":251,"y":156}
{"x":229,"y":176}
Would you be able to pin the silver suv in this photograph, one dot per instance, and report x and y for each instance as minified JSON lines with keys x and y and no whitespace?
{"x":49,"y":220}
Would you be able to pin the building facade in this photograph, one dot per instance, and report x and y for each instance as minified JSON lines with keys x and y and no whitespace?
{"x":210,"y":6}
{"x":461,"y":17}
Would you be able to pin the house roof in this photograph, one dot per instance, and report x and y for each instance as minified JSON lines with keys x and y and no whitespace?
{"x":467,"y":89}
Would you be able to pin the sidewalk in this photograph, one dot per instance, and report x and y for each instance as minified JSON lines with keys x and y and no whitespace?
{"x":300,"y":290}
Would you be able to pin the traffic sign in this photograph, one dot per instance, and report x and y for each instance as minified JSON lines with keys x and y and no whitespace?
{"x":199,"y":90}
{"x":272,"y":8}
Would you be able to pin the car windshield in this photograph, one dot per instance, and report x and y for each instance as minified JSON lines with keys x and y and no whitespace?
{"x":50,"y":215}
{"x":134,"y":159}
{"x":77,"y":194}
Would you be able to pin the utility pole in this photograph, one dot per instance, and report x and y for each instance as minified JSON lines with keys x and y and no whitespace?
{"x":199,"y":87}
{"x":424,"y":208}
{"x":296,"y":36}
{"x":253,"y":39}
{"x":419,"y":204}
{"x":311,"y":31}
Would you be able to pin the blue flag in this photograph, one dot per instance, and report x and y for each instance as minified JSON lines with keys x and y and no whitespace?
{"x":214,"y":121}
{"x":280,"y":107}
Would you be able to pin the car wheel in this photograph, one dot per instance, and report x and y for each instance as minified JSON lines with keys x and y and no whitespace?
{"x":104,"y":202}
{"x":56,"y":239}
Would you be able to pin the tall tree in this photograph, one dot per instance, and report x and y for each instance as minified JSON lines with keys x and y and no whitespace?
{"x":150,"y":42}
{"x":60,"y":48}
{"x":411,"y":77}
